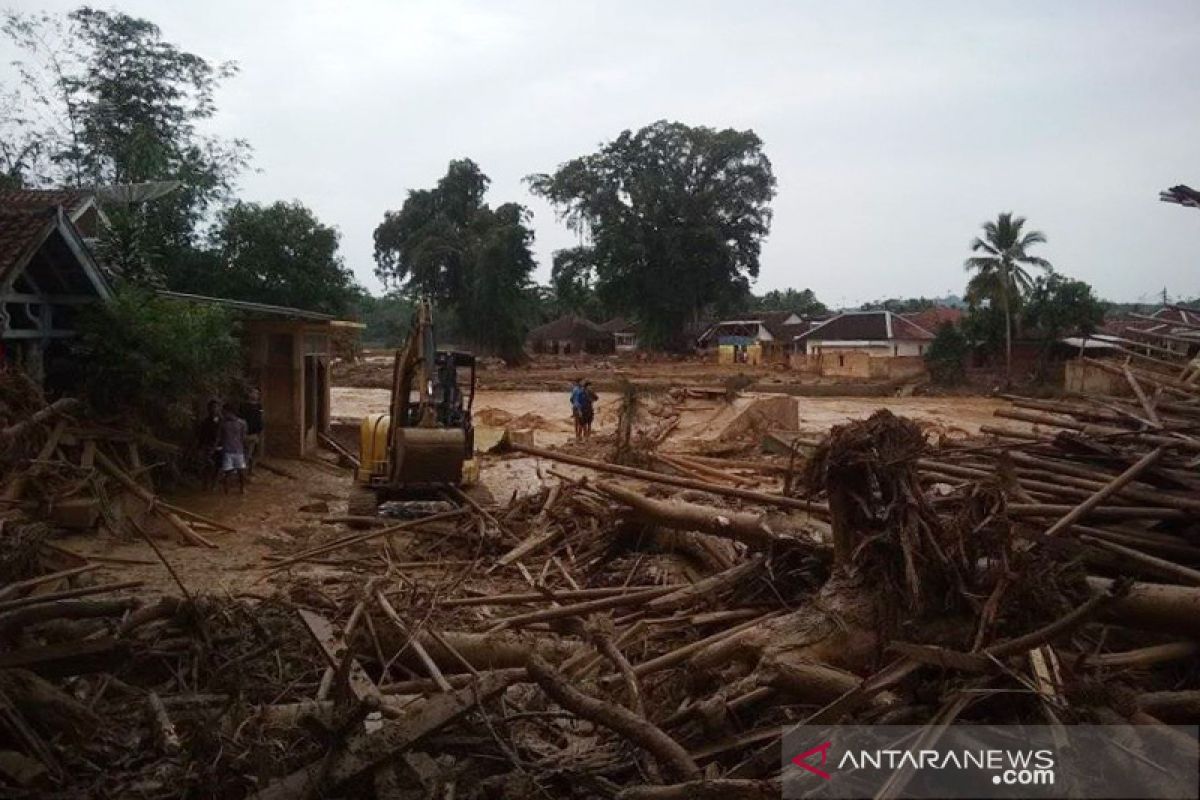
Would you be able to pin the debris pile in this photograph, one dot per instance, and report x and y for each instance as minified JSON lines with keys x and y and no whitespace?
{"x":649,"y":634}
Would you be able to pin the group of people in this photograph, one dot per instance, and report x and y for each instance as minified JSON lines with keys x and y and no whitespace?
{"x":583,"y":408}
{"x":229,"y":439}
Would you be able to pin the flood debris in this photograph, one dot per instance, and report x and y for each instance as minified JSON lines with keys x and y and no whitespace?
{"x":616,"y":631}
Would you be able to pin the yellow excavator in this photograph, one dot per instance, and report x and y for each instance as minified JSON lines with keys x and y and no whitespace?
{"x":425,"y":443}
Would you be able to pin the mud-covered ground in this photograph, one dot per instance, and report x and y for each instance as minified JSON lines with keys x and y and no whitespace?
{"x":280,"y":514}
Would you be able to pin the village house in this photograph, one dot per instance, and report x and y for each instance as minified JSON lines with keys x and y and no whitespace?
{"x":624,"y":332}
{"x":764,"y":338}
{"x":47,"y":273}
{"x":570,"y":335}
{"x":863,"y":344}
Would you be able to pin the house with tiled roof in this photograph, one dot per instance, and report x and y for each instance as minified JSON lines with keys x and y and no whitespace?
{"x":570,"y":334}
{"x":47,"y":273}
{"x":848,"y":344}
{"x":624,"y":332}
{"x":762,"y":337}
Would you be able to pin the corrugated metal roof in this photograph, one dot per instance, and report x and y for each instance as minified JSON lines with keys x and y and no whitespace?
{"x":254,"y":308}
{"x":876,"y":326}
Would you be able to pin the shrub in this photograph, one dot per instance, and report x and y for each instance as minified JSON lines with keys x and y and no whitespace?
{"x":947,"y":355}
{"x":155,"y":359}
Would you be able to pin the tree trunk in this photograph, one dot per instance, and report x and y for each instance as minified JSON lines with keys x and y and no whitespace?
{"x":1005,"y":289}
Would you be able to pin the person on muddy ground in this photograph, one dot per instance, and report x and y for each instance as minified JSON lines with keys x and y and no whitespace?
{"x":252,"y":412}
{"x":233,"y":448}
{"x":587,"y":409}
{"x":208,"y":444}
{"x":577,"y":394}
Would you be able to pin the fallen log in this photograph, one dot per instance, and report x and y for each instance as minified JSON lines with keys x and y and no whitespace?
{"x":669,"y":754}
{"x":671,"y":480}
{"x":349,"y":541}
{"x":146,"y":496}
{"x":67,"y":594}
{"x":1153,"y":606}
{"x":66,"y":609}
{"x":749,"y":529}
{"x":65,"y":405}
{"x":1113,"y":486}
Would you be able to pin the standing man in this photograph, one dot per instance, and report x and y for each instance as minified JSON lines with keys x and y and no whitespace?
{"x":208,"y":444}
{"x":587,"y":409}
{"x":577,"y":407}
{"x":252,"y":413}
{"x":233,"y":448}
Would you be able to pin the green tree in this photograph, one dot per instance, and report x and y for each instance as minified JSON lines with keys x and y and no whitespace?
{"x":279,"y":253}
{"x":674,"y":216}
{"x":947,"y":355}
{"x":1000,"y":275}
{"x":1058,"y":306}
{"x":475,"y":260}
{"x":803,"y":302}
{"x":153,"y":359}
{"x":108,"y":101}
{"x":572,"y":279}
{"x":898,"y":305}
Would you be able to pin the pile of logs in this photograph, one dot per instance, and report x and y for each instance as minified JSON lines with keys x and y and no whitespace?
{"x":647,"y":634}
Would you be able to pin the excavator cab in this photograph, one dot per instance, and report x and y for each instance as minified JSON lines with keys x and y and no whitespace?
{"x":426,"y":441}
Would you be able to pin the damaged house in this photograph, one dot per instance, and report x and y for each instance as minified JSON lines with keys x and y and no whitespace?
{"x":863,"y":344}
{"x":47,"y":273}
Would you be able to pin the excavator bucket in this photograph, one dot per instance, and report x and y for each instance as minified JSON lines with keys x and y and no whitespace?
{"x":428,"y":456}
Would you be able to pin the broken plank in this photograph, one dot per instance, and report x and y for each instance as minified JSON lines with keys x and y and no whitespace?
{"x":364,"y":752}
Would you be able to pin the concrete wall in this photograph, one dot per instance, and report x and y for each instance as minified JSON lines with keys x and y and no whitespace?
{"x":899,"y":367}
{"x":728,"y":354}
{"x":1081,"y":378}
{"x":284,"y":359}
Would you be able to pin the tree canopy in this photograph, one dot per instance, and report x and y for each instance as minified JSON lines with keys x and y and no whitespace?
{"x":1059,"y":306}
{"x":106,"y":100}
{"x":674,"y":218}
{"x":804,"y":302}
{"x":278,"y":253}
{"x":448,"y":244}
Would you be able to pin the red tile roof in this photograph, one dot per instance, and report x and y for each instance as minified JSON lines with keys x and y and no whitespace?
{"x":933,"y":318}
{"x":20,"y":230}
{"x":37,"y":199}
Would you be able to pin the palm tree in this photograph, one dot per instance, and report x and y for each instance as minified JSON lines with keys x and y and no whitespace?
{"x":1000,"y":274}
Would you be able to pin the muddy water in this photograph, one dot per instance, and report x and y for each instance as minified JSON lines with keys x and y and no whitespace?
{"x":549,"y":412}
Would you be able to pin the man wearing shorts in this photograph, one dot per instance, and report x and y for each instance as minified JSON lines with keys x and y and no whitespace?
{"x":233,"y":447}
{"x":252,"y":413}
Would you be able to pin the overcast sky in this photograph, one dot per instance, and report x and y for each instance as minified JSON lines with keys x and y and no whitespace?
{"x":894,"y":128}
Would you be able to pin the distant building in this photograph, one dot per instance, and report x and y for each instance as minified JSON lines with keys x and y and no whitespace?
{"x":861,"y":343}
{"x":933,"y":318}
{"x":288,"y":353}
{"x":624,"y":332}
{"x":753,"y":339}
{"x":570,"y":335}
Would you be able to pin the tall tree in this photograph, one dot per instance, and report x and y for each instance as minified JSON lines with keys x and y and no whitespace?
{"x":1000,"y":273}
{"x":447,"y":243}
{"x":674,"y":216}
{"x":109,"y":101}
{"x":280,"y":254}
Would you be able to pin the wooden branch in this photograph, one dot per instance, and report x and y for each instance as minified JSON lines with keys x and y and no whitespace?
{"x":671,"y":756}
{"x":671,"y":480}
